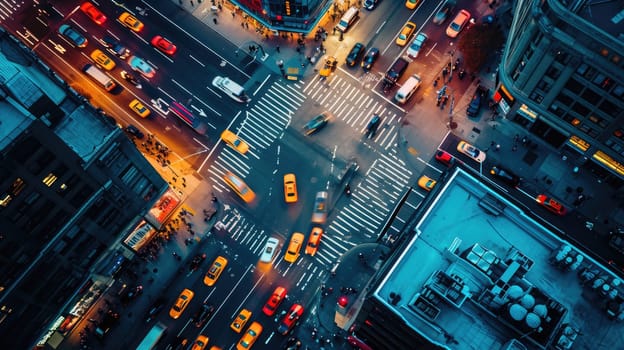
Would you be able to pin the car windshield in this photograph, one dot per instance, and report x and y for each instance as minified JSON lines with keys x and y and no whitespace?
{"x":455,"y":26}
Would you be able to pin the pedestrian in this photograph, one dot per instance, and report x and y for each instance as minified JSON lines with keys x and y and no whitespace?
{"x":192,"y":3}
{"x":277,"y":48}
{"x":233,"y":14}
{"x":492,"y":143}
{"x":497,"y":147}
{"x":214,"y":20}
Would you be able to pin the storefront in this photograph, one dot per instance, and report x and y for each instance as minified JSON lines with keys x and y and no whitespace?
{"x":142,"y":233}
{"x":162,"y":209}
{"x":62,"y":326}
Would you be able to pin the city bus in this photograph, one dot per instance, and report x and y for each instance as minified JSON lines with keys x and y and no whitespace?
{"x":188,"y":118}
{"x":153,"y":337}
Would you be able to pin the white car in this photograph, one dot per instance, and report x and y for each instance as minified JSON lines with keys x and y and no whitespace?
{"x":471,"y":151}
{"x":268,"y":252}
{"x":417,"y":44}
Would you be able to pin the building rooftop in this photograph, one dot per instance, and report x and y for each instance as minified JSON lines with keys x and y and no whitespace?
{"x":31,"y":91}
{"x":483,"y":273}
{"x":606,"y":15}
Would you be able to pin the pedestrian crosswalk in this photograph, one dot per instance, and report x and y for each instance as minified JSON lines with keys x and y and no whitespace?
{"x":372,"y":200}
{"x":263,"y":123}
{"x":355,"y":106}
{"x":8,"y":7}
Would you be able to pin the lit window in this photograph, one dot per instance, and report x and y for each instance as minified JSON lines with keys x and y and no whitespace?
{"x":50,"y":179}
{"x":575,"y":122}
{"x":604,"y":52}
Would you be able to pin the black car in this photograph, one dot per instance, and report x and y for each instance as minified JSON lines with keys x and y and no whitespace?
{"x":506,"y":176}
{"x":134,"y":131}
{"x":394,"y":73}
{"x":317,"y":123}
{"x":114,"y":47}
{"x":477,"y":100}
{"x":155,"y":309}
{"x":356,"y":53}
{"x":372,"y":126}
{"x":203,"y":314}
{"x":370,"y":58}
{"x":370,"y":4}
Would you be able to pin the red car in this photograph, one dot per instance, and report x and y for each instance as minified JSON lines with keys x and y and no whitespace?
{"x":290,"y":319}
{"x":163,"y":45}
{"x":444,"y":158}
{"x":93,"y":12}
{"x":274,"y":301}
{"x":551,"y":204}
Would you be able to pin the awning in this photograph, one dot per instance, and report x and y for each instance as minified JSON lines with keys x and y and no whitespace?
{"x":163,"y":208}
{"x":141,"y":234}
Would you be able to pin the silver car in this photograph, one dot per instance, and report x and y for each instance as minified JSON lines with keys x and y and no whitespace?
{"x":139,"y":65}
{"x":269,"y":250}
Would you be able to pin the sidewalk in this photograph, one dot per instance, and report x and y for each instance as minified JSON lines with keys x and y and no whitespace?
{"x":234,"y":26}
{"x":348,"y":279}
{"x":543,"y":169}
{"x":154,"y":275}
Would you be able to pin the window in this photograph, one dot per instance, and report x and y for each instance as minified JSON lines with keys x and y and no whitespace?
{"x":553,"y":72}
{"x":574,"y":85}
{"x":67,"y":185}
{"x":580,"y":109}
{"x":536,"y":96}
{"x":618,"y":91}
{"x":556,"y":110}
{"x":590,"y":96}
{"x":50,"y":179}
{"x":544,"y":85}
{"x":564,"y":99}
{"x":562,"y":57}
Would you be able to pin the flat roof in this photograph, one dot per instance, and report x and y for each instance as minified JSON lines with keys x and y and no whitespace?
{"x":606,"y":15}
{"x":482,"y":273}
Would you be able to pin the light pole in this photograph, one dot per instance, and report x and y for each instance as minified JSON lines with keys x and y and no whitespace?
{"x":452,"y":53}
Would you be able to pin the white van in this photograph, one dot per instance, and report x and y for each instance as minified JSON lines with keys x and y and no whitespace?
{"x":348,"y":18}
{"x":407,"y":90}
{"x":100,"y":77}
{"x":231,"y":88}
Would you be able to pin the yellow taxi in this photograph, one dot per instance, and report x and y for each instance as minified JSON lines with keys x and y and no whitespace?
{"x":200,"y":343}
{"x":214,"y":347}
{"x":181,"y":303}
{"x":406,"y":33}
{"x":131,"y":22}
{"x":102,"y":60}
{"x":215,"y":271}
{"x":426,"y":183}
{"x":232,"y":140}
{"x":137,"y":107}
{"x":314,"y":241}
{"x":241,"y":320}
{"x":250,"y":337}
{"x":411,"y":4}
{"x":290,"y":188}
{"x":239,"y":186}
{"x":292,"y":253}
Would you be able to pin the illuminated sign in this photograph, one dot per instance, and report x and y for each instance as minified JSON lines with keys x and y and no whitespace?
{"x":579,"y":143}
{"x":608,"y":162}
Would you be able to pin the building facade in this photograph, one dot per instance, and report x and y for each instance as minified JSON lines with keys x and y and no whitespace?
{"x":70,"y":183}
{"x":298,"y":16}
{"x":562,"y":78}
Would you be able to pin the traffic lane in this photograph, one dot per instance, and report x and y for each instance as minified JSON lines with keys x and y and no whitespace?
{"x":188,"y":27}
{"x":311,"y":170}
